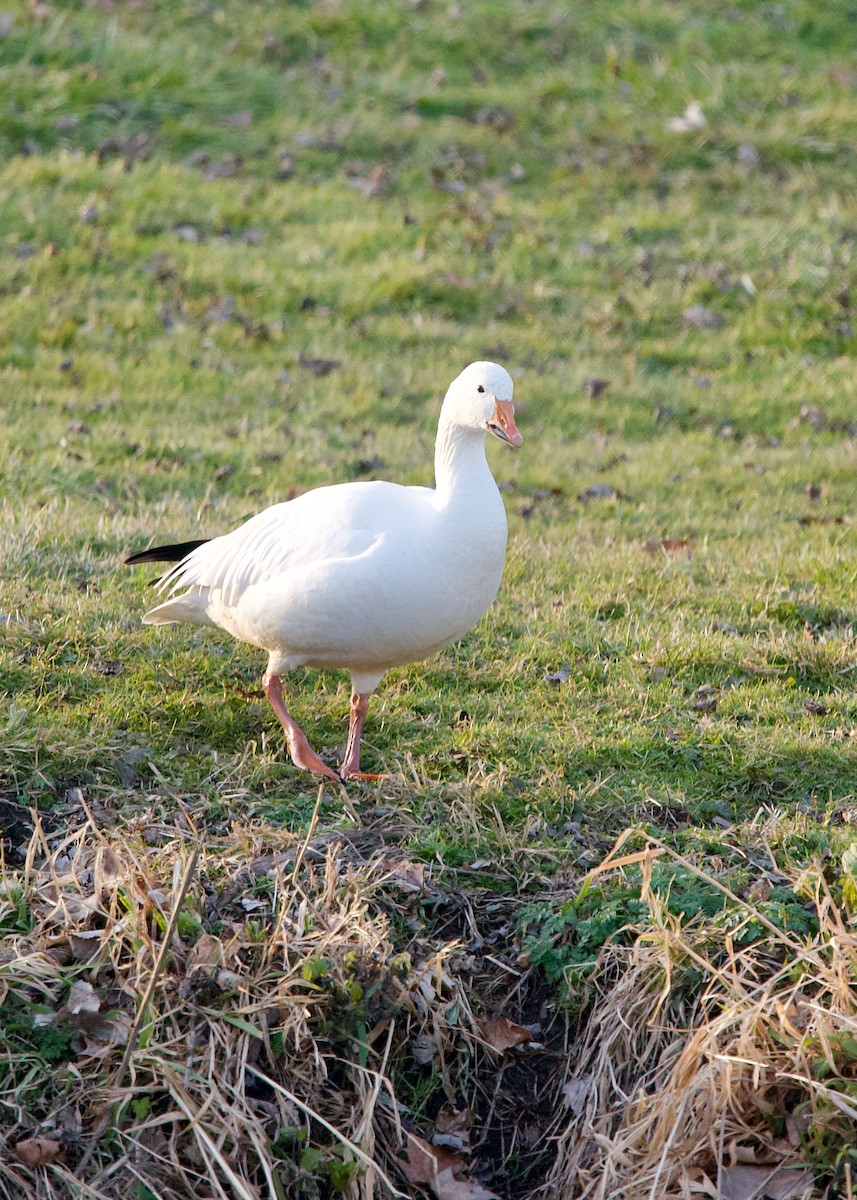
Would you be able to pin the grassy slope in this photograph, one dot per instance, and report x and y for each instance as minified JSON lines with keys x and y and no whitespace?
{"x":180,"y":225}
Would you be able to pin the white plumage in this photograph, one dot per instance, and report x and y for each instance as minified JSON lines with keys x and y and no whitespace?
{"x":364,"y":576}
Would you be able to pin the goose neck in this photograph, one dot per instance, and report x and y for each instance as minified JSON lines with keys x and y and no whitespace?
{"x":459,"y":460}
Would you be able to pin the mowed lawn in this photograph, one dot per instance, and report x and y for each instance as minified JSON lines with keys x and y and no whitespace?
{"x":244,"y":248}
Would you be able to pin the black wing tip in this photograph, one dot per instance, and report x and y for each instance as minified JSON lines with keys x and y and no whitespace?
{"x":173,"y":553}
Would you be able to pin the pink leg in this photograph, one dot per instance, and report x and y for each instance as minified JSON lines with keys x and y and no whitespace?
{"x":301,"y":751}
{"x":351,"y":762}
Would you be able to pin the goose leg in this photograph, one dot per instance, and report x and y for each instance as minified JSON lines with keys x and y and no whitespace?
{"x":302,"y":753}
{"x":351,"y":762}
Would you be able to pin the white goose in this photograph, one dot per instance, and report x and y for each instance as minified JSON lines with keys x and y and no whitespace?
{"x":364,"y":576}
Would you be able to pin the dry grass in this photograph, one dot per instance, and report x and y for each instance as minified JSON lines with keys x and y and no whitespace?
{"x":703,"y":1070}
{"x":229,"y":1012}
{"x":234,"y":1017}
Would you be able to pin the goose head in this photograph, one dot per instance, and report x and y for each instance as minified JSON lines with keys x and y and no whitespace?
{"x":481,"y":399}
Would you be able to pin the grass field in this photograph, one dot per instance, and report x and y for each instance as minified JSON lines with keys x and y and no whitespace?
{"x":244,"y":247}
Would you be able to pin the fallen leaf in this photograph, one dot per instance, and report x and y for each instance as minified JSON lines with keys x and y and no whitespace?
{"x":102,"y":1036}
{"x":723,"y":627}
{"x":814,"y":416}
{"x":598,"y":491}
{"x":446,"y":1186}
{"x":85,"y":943}
{"x":285,"y":165}
{"x":206,"y":952}
{"x":670,"y":546}
{"x":70,"y":1123}
{"x":529,"y":1134}
{"x":317,"y":366}
{"x":371,"y":182}
{"x":452,"y":1127}
{"x":312,"y":140}
{"x":845,"y":76}
{"x":705,"y":704}
{"x":502,"y":1034}
{"x":576,"y":1091}
{"x":421,"y":1163}
{"x":744,"y":1182}
{"x":82,"y":998}
{"x":424,"y":1049}
{"x":823,"y":520}
{"x":460,"y":281}
{"x":496,"y":117}
{"x":441,"y":1169}
{"x":37,"y":1151}
{"x":702,"y":317}
{"x":409,"y":876}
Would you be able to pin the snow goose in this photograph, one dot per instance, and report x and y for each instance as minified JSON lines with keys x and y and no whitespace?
{"x":365,"y":576}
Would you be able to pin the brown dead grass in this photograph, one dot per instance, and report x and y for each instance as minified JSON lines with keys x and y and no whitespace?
{"x":238,"y":1020}
{"x":703,"y":1070}
{"x":233,"y":1012}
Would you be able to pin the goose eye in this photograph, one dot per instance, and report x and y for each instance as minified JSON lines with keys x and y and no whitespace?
{"x":480,"y":388}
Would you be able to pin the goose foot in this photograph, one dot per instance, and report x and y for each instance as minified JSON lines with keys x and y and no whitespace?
{"x":350,"y":767}
{"x":300,"y":751}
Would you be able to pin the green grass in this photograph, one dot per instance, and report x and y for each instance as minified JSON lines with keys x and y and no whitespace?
{"x":184,"y":219}
{"x":160,"y":285}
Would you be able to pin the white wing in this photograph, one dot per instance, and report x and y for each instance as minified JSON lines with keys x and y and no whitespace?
{"x":340,"y":522}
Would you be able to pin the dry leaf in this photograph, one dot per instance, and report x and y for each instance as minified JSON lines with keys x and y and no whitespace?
{"x":745,"y":1182}
{"x":502,"y":1034}
{"x":595,"y":387}
{"x":446,"y":1186}
{"x":82,"y":998}
{"x":317,"y":366}
{"x":37,"y":1151}
{"x":424,"y":1049}
{"x":441,"y":1170}
{"x":421,"y":1163}
{"x":206,"y":952}
{"x":576,"y":1091}
{"x":410,"y":876}
{"x":108,"y":869}
{"x":598,"y":491}
{"x":670,"y":546}
{"x":85,"y":943}
{"x":452,"y":1126}
{"x":371,"y":182}
{"x":702,"y":317}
